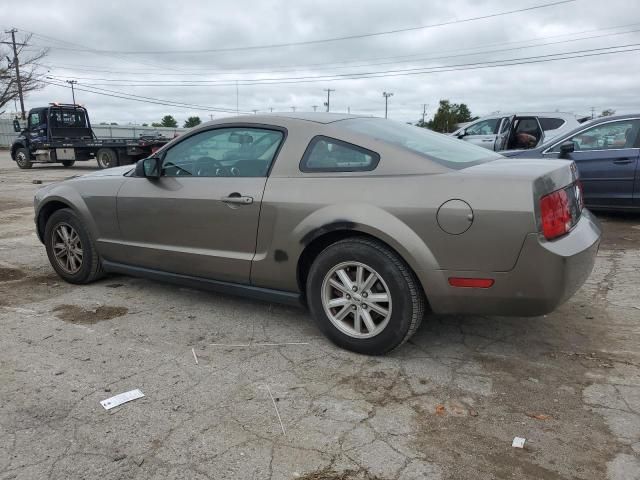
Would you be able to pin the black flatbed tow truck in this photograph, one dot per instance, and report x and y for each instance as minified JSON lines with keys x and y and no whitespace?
{"x":61,"y":133}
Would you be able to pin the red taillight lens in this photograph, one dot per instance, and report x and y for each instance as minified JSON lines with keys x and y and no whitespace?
{"x":471,"y":282}
{"x":556,"y":214}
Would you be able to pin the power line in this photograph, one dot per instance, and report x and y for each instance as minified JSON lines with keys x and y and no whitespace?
{"x":403,"y":72}
{"x":409,"y":58}
{"x":137,"y":98}
{"x":323,"y":40}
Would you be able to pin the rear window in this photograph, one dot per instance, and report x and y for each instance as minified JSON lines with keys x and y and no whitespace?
{"x":550,"y":123}
{"x":445,"y":150}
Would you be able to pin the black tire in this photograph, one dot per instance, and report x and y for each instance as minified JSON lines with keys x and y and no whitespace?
{"x":107,"y":158}
{"x":68,"y":163}
{"x":91,"y":266}
{"x":407,"y":296}
{"x":23,"y":158}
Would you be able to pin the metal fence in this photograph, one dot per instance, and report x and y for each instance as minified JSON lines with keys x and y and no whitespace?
{"x":7,"y":135}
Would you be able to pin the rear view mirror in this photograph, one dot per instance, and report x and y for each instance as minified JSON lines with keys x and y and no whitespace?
{"x":148,"y":167}
{"x":566,"y":148}
{"x":16,"y":126}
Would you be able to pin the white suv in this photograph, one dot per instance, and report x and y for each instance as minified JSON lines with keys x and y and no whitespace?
{"x":517,"y":131}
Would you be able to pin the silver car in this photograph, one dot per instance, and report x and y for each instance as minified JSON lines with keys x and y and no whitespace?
{"x":516,"y":131}
{"x":368,"y":222}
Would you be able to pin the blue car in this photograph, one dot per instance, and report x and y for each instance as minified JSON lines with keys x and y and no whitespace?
{"x":607,"y":153}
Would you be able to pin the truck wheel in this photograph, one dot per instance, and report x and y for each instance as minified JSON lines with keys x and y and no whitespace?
{"x":23,"y":158}
{"x":107,"y":158}
{"x":70,"y":248}
{"x":364,"y":297}
{"x":68,"y":163}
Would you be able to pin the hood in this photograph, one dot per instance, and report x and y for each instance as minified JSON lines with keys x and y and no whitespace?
{"x":108,"y":172}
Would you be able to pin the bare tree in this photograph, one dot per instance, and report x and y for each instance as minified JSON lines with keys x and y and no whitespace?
{"x":30,"y":74}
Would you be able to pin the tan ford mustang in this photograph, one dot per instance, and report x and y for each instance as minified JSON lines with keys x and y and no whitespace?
{"x":367,"y":221}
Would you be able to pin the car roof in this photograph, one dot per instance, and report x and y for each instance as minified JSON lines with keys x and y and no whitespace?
{"x":317,"y":117}
{"x":529,"y":114}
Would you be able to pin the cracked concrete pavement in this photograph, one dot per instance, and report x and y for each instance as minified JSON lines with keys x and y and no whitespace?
{"x":445,"y":406}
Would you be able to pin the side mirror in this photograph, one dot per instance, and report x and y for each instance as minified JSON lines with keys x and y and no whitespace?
{"x":461,"y":134}
{"x":148,"y":167}
{"x":16,"y":126}
{"x":566,"y":148}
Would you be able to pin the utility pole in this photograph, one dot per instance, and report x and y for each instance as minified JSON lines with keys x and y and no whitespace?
{"x":593,"y":112}
{"x":315,"y":107}
{"x":271,"y":109}
{"x":211,"y":116}
{"x":349,"y":110}
{"x":73,"y":93}
{"x":386,"y":96}
{"x":255,"y":111}
{"x":424,"y":112}
{"x":327,"y":103}
{"x":16,"y":64}
{"x":293,"y":109}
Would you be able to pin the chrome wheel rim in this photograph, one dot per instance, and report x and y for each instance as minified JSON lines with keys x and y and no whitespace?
{"x":67,"y":248}
{"x":21,"y":158}
{"x":105,"y":160}
{"x":356,"y":299}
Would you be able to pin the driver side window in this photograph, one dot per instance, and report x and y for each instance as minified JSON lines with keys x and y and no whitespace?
{"x":485,"y":127}
{"x":224,"y":152}
{"x":612,"y":135}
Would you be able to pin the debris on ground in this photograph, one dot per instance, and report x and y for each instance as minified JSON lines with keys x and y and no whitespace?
{"x":440,"y":410}
{"x":538,"y":416}
{"x":195,"y":357}
{"x":518,"y":442}
{"x":121,"y":398}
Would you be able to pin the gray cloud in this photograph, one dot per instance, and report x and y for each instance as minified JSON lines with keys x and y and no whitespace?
{"x":570,"y":85}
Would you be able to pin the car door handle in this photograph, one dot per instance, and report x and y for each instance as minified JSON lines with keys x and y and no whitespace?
{"x":238,"y":199}
{"x":489,"y":140}
{"x":623,"y":161}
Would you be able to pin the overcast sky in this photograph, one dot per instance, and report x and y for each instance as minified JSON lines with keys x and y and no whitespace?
{"x":72,"y":28}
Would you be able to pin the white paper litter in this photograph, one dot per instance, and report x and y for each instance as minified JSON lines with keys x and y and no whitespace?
{"x":518,"y":442}
{"x":121,"y":398}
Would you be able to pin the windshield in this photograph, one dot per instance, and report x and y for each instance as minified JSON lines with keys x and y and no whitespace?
{"x":448,"y":151}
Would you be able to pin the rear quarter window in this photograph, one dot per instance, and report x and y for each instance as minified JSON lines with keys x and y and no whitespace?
{"x":325,"y":154}
{"x":551,"y":123}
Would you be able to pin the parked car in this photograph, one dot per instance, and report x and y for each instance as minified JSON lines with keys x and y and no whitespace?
{"x":367,"y":221}
{"x":607,"y":153}
{"x":516,"y":131}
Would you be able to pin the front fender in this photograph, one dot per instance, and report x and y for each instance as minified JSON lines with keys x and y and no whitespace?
{"x":62,"y":194}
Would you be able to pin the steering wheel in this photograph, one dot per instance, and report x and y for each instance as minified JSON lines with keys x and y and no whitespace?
{"x":204,"y":165}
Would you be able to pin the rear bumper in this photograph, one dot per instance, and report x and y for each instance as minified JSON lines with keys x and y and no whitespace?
{"x":546,"y":274}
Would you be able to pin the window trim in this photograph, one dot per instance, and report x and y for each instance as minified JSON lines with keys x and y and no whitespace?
{"x":375,"y":157}
{"x":162,"y":153}
{"x":548,"y":150}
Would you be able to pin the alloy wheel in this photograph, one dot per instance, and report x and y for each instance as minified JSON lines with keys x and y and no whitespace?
{"x":67,"y":248}
{"x":356,"y":299}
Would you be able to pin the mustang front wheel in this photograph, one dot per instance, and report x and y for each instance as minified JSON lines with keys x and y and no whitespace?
{"x":70,"y":248}
{"x":364,"y":297}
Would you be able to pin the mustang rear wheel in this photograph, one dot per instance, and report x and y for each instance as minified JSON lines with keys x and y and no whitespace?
{"x":70,"y":248}
{"x":364,"y":297}
{"x":68,"y":163}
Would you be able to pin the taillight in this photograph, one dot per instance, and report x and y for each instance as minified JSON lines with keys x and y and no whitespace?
{"x":555,"y":214}
{"x":580,"y":194}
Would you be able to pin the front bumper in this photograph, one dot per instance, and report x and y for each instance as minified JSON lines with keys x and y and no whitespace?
{"x":546,"y":274}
